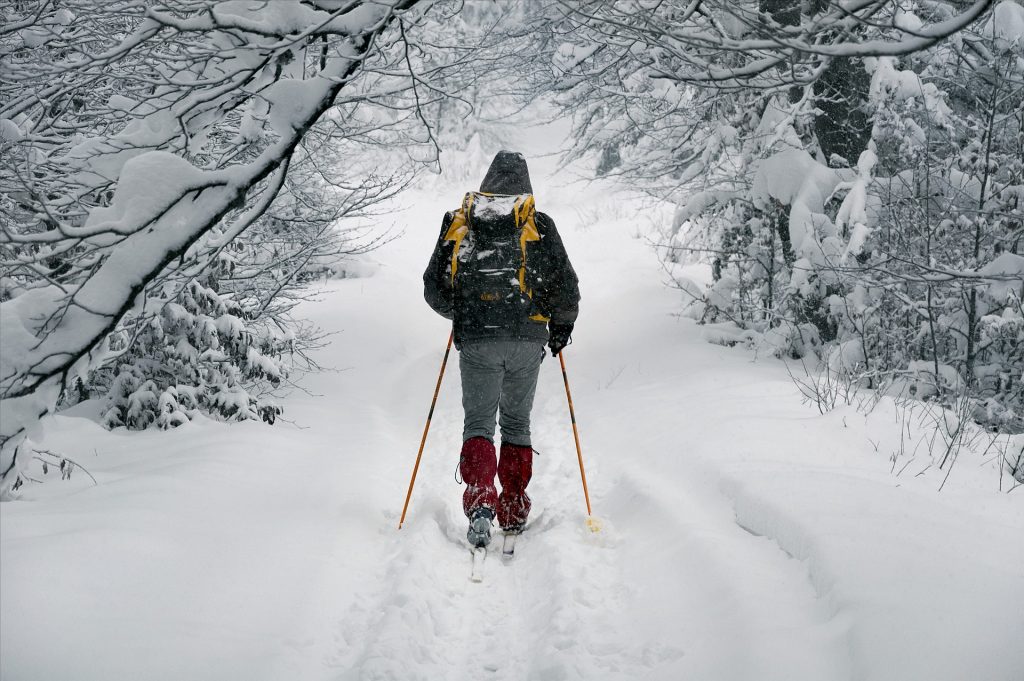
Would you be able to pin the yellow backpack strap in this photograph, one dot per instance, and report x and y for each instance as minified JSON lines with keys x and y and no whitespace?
{"x":525,"y":212}
{"x":458,"y":229}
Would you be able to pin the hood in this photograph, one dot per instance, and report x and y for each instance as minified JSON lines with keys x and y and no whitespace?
{"x":508,"y":174}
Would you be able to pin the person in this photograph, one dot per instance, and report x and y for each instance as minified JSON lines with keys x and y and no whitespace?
{"x":499,"y":271}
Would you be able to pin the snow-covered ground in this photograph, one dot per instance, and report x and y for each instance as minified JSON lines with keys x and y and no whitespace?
{"x":744,"y":535}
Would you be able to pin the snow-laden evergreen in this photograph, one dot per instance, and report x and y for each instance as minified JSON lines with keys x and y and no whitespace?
{"x":197,"y":353}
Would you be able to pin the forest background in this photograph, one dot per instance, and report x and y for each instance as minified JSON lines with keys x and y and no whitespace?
{"x":173,"y":173}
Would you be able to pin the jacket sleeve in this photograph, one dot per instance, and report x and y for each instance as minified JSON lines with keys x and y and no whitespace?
{"x":437,"y":287}
{"x":558,"y":290}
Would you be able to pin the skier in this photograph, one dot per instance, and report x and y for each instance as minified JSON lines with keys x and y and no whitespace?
{"x":501,"y":274}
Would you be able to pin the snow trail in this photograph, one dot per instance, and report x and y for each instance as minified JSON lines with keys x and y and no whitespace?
{"x":627,"y":603}
{"x":672,"y":586}
{"x":214,"y":552}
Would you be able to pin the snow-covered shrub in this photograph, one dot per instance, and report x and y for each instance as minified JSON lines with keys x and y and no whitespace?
{"x":197,"y":354}
{"x":1014,"y":460}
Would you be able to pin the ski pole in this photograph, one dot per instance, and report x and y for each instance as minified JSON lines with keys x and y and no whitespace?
{"x":576,"y":435}
{"x":423,"y":440}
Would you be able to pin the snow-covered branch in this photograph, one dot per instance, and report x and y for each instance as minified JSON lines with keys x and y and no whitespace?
{"x":130,"y":131}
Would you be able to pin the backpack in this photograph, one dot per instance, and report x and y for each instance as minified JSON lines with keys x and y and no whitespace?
{"x":490,"y":233}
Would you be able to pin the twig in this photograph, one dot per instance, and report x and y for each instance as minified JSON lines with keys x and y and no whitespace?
{"x":72,"y":462}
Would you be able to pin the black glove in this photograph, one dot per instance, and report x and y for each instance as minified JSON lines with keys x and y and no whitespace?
{"x":560,"y":336}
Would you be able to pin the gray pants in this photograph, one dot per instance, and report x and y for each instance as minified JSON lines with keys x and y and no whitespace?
{"x":499,"y":376}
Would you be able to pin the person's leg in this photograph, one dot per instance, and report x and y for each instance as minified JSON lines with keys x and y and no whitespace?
{"x":478,"y":465}
{"x":515,"y":467}
{"x":517,"y":390}
{"x":481,"y":368}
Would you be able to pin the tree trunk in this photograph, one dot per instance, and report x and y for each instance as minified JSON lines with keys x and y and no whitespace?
{"x":843,"y":127}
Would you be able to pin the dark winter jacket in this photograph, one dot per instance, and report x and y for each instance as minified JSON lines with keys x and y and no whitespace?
{"x":549,"y":276}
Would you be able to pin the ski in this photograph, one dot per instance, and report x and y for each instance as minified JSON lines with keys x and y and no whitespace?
{"x":511,"y":535}
{"x":477,"y":572}
{"x":508,"y":545}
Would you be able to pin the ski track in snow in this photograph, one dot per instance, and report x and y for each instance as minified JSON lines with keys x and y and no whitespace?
{"x":572,"y":604}
{"x":272,"y":553}
{"x":559,"y":610}
{"x":532,"y":617}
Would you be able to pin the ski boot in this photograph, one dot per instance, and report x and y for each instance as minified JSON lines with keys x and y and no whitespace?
{"x":479,"y":533}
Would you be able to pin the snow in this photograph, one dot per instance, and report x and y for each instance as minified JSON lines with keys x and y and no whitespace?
{"x":745,"y":535}
{"x":793,"y":178}
{"x":17,"y":331}
{"x":494,"y":206}
{"x":9,"y":130}
{"x":569,"y":56}
{"x":853,"y":211}
{"x":1007,"y":272}
{"x":278,"y":17}
{"x":122,"y":103}
{"x":292,"y":102}
{"x":888,"y":79}
{"x":149,"y":184}
{"x":106,"y":158}
{"x":699,"y":202}
{"x":37,"y":36}
{"x":1007,"y":25}
{"x":846,"y":357}
{"x":907,"y":21}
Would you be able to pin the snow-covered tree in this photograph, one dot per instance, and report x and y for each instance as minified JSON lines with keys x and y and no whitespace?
{"x":141,"y":139}
{"x":854,"y":183}
{"x":141,"y":142}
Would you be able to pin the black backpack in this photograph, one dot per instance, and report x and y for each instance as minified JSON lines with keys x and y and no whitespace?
{"x":488,"y":266}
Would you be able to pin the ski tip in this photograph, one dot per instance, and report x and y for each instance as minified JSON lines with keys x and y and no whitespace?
{"x":508,"y":547}
{"x":477,"y":572}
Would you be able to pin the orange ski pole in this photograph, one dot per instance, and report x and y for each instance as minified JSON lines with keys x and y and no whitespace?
{"x":575,"y":431}
{"x":423,"y":440}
